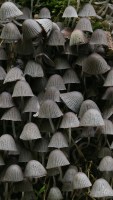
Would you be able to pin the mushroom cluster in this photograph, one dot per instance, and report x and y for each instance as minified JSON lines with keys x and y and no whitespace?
{"x":56,"y":105}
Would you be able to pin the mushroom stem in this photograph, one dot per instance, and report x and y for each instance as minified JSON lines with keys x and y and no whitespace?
{"x":22,"y":104}
{"x":22,"y":196}
{"x":43,"y":159}
{"x":4,"y":126}
{"x":67,"y":196}
{"x":52,"y":125}
{"x":54,"y":181}
{"x":69,"y":134}
{"x":60,"y":170}
{"x":6,"y":191}
{"x":13,"y":128}
{"x":68,"y":88}
{"x":30,"y":116}
{"x":69,"y":2}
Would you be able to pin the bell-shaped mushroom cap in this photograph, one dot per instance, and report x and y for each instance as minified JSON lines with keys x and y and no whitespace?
{"x":24,"y":47}
{"x":56,"y":81}
{"x":73,"y":100}
{"x":9,"y":10}
{"x":31,"y":29}
{"x":10,"y":33}
{"x":81,"y":181}
{"x":108,"y":95}
{"x":3,"y":55}
{"x":68,"y":178}
{"x":70,"y":76}
{"x":56,"y":159}
{"x":6,"y":100}
{"x":23,"y":186}
{"x":86,"y":105}
{"x":26,"y":14}
{"x":32,"y":105}
{"x":46,"y":24}
{"x":30,"y":132}
{"x":109,"y":79}
{"x":56,"y":38}
{"x":105,"y":151}
{"x":95,"y":64}
{"x":13,"y":174}
{"x":107,"y":129}
{"x":87,"y":11}
{"x":2,"y":73}
{"x":25,"y":155}
{"x":12,"y":114}
{"x":99,"y":37}
{"x":52,"y":93}
{"x":61,"y":63}
{"x":55,"y":194}
{"x":49,"y":109}
{"x":58,"y":140}
{"x":84,"y":24}
{"x":34,"y":169}
{"x":7,"y":143}
{"x":108,"y":112}
{"x":55,"y":26}
{"x":22,"y":89}
{"x":14,"y":74}
{"x":70,"y":12}
{"x":106,"y":164}
{"x":69,"y":120}
{"x":77,"y":38}
{"x":33,"y":69}
{"x":92,"y":117}
{"x":44,"y":13}
{"x":1,"y":160}
{"x":101,"y":189}
{"x":41,"y":145}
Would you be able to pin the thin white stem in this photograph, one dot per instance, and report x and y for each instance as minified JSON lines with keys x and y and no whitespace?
{"x":52,"y":125}
{"x":13,"y":128}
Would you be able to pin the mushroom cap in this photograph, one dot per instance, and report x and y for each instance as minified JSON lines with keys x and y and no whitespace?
{"x":58,"y":140}
{"x":44,"y":13}
{"x":70,"y":76}
{"x":2,"y":73}
{"x":6,"y":100}
{"x":56,"y":38}
{"x":72,"y":100}
{"x":52,"y":93}
{"x":109,"y":79}
{"x":84,"y":24}
{"x":81,"y":181}
{"x":49,"y":109}
{"x":104,"y":151}
{"x":70,"y":12}
{"x":98,"y":38}
{"x":26,"y":14}
{"x":87,"y":11}
{"x":13,"y":174}
{"x":46,"y":24}
{"x":92,"y":117}
{"x":69,"y":120}
{"x":32,"y":105}
{"x":86,"y":105}
{"x":77,"y":38}
{"x":12,"y":114}
{"x":9,"y":10}
{"x":56,"y":81}
{"x":108,"y":95}
{"x":106,"y":164}
{"x":33,"y":69}
{"x":30,"y":132}
{"x":101,"y":188}
{"x":55,"y":194}
{"x":95,"y":64}
{"x":22,"y":89}
{"x":10,"y":33}
{"x":7,"y":143}
{"x":56,"y":159}
{"x":31,"y":29}
{"x":107,"y":129}
{"x":34,"y":169}
{"x":14,"y":74}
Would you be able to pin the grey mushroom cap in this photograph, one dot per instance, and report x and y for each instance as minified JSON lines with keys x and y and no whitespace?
{"x":69,"y":120}
{"x":34,"y":169}
{"x":101,"y":188}
{"x":99,"y":38}
{"x":70,"y":12}
{"x":109,"y":79}
{"x":13,"y":174}
{"x":12,"y":114}
{"x":32,"y":105}
{"x":56,"y":81}
{"x":6,"y":100}
{"x":55,"y":194}
{"x":52,"y":93}
{"x":56,"y":159}
{"x":84,"y":24}
{"x":9,"y":10}
{"x":70,"y":76}
{"x":58,"y":141}
{"x":2,"y":73}
{"x":33,"y":69}
{"x":56,"y":38}
{"x":81,"y":181}
{"x":7,"y":143}
{"x":46,"y":24}
{"x":44,"y":13}
{"x":87,"y":11}
{"x":77,"y":38}
{"x":107,"y":129}
{"x":14,"y":74}
{"x":106,"y":164}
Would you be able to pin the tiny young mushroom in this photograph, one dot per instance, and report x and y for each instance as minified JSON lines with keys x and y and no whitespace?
{"x":54,"y":194}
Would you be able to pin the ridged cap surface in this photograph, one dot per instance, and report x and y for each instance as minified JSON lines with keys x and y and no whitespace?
{"x":14,"y":74}
{"x":106,"y":164}
{"x":6,"y":100}
{"x":7,"y":143}
{"x":56,"y":81}
{"x":56,"y":38}
{"x":12,"y":114}
{"x":58,"y":140}
{"x":92,"y":117}
{"x":13,"y":174}
{"x":87,"y":11}
{"x":2,"y":73}
{"x":70,"y":12}
{"x":46,"y":24}
{"x":81,"y":181}
{"x":69,"y":120}
{"x":30,"y":132}
{"x":33,"y":69}
{"x":109,"y":79}
{"x":70,"y":76}
{"x":72,"y":100}
{"x":52,"y":93}
{"x":99,"y":37}
{"x":77,"y":38}
{"x":56,"y":159}
{"x":55,"y":194}
{"x":22,"y":89}
{"x":107,"y":129}
{"x":32,"y":105}
{"x":34,"y":169}
{"x":84,"y":24}
{"x":44,"y":13}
